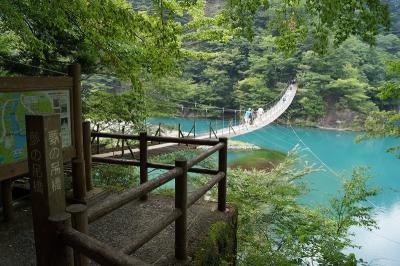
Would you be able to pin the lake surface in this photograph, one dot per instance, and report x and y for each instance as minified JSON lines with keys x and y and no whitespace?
{"x":337,"y":154}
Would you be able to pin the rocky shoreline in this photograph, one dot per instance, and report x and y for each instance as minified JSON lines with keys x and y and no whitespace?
{"x":235,"y":145}
{"x":315,"y":125}
{"x":243,"y":146}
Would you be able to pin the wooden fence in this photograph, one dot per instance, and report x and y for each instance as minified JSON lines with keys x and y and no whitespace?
{"x":62,"y":234}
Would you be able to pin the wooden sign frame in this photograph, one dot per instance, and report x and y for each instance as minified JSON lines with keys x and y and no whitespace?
{"x":37,"y":84}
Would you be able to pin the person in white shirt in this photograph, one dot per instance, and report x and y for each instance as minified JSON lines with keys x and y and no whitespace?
{"x":260,"y":112}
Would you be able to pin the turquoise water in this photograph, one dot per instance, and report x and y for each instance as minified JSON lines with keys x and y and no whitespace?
{"x":338,"y":153}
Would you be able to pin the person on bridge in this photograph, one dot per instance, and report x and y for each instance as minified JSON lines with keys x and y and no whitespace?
{"x":291,"y":83}
{"x":247,"y":116}
{"x":260,"y":112}
{"x":253,"y":116}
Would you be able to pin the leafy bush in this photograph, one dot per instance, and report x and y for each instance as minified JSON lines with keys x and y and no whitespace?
{"x":275,"y":229}
{"x":115,"y":177}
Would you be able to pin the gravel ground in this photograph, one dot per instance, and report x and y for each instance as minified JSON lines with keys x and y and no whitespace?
{"x":116,"y":228}
{"x":17,"y":246}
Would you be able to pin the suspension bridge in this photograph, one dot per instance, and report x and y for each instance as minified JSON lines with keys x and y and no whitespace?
{"x":262,"y":120}
{"x":279,"y":106}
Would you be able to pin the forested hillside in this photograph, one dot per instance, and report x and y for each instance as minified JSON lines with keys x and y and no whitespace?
{"x":337,"y":88}
{"x":233,"y":54}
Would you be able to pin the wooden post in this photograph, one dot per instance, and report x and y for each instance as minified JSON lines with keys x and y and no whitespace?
{"x":210,"y":129}
{"x":87,"y":153}
{"x":46,"y":178}
{"x":80,"y":223}
{"x":179,"y":132}
{"x":60,"y":254}
{"x":98,"y":140}
{"x":222,"y":167}
{"x":241,"y":117}
{"x":123,"y":143}
{"x":194,"y":120}
{"x":235,"y":119}
{"x":6,"y":196}
{"x":223,"y":119}
{"x":159,"y":131}
{"x":143,"y":160}
{"x":231,"y":127}
{"x":78,"y":164}
{"x":181,"y":203}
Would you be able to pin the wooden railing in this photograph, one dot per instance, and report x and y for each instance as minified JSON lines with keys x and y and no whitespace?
{"x":61,"y":236}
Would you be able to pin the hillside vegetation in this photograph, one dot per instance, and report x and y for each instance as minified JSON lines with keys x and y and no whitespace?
{"x":338,"y":88}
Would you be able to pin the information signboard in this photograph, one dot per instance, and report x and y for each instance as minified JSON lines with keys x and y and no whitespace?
{"x":13,"y":108}
{"x":20,"y":96}
{"x":35,"y":95}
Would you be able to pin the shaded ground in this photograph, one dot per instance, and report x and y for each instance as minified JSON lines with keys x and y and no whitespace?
{"x":118,"y":227}
{"x":263,"y":159}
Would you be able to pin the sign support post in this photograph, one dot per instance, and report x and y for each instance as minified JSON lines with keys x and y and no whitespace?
{"x":87,"y":153}
{"x":78,"y":164}
{"x":45,"y":161}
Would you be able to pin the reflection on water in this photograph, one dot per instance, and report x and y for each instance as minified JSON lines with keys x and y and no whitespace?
{"x":341,"y":154}
{"x":381,"y":246}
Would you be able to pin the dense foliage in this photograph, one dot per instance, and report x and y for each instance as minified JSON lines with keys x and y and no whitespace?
{"x":144,"y":40}
{"x":386,"y":123}
{"x":336,"y":89}
{"x":275,"y":229}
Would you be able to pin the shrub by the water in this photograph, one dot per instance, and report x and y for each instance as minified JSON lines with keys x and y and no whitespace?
{"x":115,"y":177}
{"x":275,"y":229}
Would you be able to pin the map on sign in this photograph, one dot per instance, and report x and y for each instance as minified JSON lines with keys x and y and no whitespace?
{"x":13,"y":108}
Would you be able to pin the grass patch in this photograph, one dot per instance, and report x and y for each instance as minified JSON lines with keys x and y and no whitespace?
{"x":264,"y":159}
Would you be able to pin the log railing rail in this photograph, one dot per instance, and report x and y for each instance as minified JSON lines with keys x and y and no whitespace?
{"x":67,"y":239}
{"x":179,"y":173}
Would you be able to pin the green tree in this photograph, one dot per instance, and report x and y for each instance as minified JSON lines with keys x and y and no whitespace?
{"x":148,"y":41}
{"x":321,"y":20}
{"x":125,"y":108}
{"x":391,"y":88}
{"x":386,"y":123}
{"x":252,"y":92}
{"x":349,"y":93}
{"x":130,"y":39}
{"x":275,"y":229}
